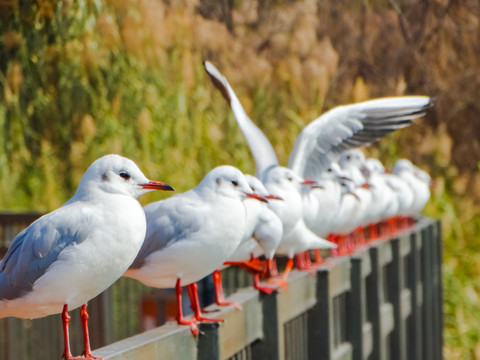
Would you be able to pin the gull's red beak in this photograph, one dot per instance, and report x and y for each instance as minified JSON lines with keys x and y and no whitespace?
{"x":273,"y":197}
{"x":354,"y":195}
{"x":256,"y":197}
{"x":366,"y":186}
{"x":157,"y":185}
{"x":308,"y":182}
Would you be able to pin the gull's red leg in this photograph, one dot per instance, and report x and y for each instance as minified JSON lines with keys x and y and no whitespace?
{"x":399,"y":222}
{"x":251,"y":265}
{"x":87,"y":351}
{"x":360,"y":236}
{"x":272,"y":268}
{"x":308,"y":260}
{"x":197,"y":312}
{"x":300,"y":262}
{"x":373,"y":232}
{"x":180,"y":319}
{"x":386,"y":227}
{"x":256,"y":285}
{"x":318,"y":257}
{"x":283,"y":280}
{"x":350,"y":242}
{"x":393,"y":225}
{"x":341,"y":245}
{"x":219,"y":297}
{"x":381,"y":228}
{"x":67,"y":354}
{"x":308,"y":263}
{"x":334,"y":239}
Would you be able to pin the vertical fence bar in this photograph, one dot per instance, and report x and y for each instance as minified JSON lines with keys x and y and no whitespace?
{"x":400,"y":296}
{"x":414,"y":281}
{"x":436,"y":292}
{"x":269,"y":347}
{"x":360,"y":329}
{"x":439,"y":295}
{"x":319,"y":332}
{"x":208,"y":348}
{"x":329,"y":320}
{"x":374,"y":301}
{"x":427,"y":287}
{"x":380,"y":309}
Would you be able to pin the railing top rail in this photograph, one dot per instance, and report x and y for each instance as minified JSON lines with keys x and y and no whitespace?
{"x":25,"y":218}
{"x":169,"y":341}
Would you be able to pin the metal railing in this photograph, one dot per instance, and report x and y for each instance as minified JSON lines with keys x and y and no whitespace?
{"x":382,"y":302}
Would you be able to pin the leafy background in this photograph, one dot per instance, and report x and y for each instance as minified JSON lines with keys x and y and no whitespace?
{"x":80,"y":79}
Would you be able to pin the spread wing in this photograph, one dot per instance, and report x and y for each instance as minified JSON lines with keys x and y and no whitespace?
{"x":351,"y":126}
{"x":38,"y":246}
{"x":258,"y":143}
{"x":167,"y":223}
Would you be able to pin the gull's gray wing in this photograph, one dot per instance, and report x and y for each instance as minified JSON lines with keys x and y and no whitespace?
{"x":167,"y":223}
{"x":258,"y":143}
{"x":351,"y":126}
{"x":38,"y":246}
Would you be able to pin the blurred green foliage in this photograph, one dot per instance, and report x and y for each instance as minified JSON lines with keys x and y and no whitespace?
{"x":80,"y":79}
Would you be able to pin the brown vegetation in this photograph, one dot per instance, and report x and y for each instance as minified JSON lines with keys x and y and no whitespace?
{"x":82,"y":78}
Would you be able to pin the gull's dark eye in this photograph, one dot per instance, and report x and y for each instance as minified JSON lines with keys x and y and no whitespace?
{"x":348,"y":157}
{"x":235,"y":182}
{"x":329,"y":170}
{"x":124,"y":175}
{"x":290,"y":178}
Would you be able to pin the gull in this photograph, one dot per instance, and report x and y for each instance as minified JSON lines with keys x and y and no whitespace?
{"x":344,"y":222}
{"x":263,"y":233}
{"x":383,"y":194}
{"x":419,"y":182}
{"x":352,"y":161}
{"x":297,"y":237}
{"x":190,"y":235}
{"x":405,"y":196}
{"x":72,"y":254}
{"x":321,"y":141}
{"x":322,"y":200}
{"x":322,"y":204}
{"x":261,"y":230}
{"x":279,"y":181}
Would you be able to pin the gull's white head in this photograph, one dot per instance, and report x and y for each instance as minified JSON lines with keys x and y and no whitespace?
{"x":256,"y":185}
{"x":351,"y":158}
{"x":116,"y":174}
{"x":282,"y":177}
{"x":333,"y":172}
{"x":258,"y":188}
{"x":228,"y":181}
{"x":348,"y":188}
{"x":406,"y":165}
{"x":402,"y":165}
{"x":374,"y":166}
